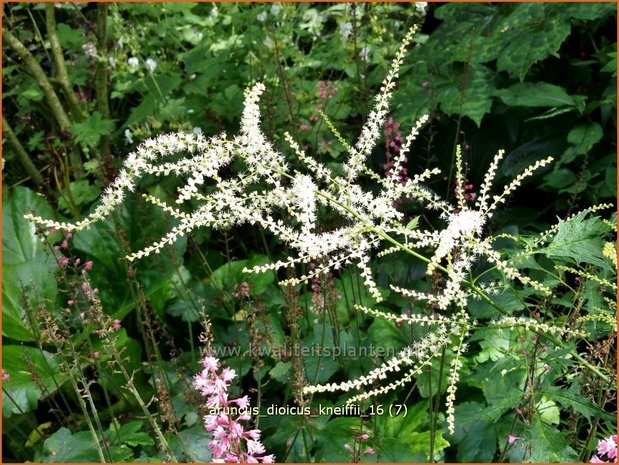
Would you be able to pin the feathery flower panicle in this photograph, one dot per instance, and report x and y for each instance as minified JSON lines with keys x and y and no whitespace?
{"x":232,"y":442}
{"x":262,"y":187}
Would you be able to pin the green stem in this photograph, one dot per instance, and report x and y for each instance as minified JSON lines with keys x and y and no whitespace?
{"x":101,"y":75}
{"x":61,"y":69}
{"x":20,"y":153}
{"x":33,"y":67}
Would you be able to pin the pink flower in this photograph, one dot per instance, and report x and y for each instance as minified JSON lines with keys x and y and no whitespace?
{"x":116,"y":325}
{"x":5,"y":376}
{"x":512,"y":439}
{"x":88,"y":265}
{"x":305,"y":127}
{"x":369,"y":451}
{"x":231,"y":442}
{"x":608,"y":447}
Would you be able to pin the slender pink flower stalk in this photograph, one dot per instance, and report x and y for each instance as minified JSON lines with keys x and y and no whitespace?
{"x":231,"y":442}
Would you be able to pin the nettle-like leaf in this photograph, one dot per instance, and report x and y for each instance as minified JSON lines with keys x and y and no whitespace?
{"x":476,"y":438}
{"x":579,"y":240}
{"x":90,"y":131}
{"x":467,"y":91}
{"x":531,"y":33}
{"x":548,"y":444}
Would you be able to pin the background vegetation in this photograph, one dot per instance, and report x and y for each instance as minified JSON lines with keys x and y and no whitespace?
{"x":83,"y":84}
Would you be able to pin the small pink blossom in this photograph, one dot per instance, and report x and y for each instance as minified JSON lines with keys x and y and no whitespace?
{"x":70,"y":302}
{"x":369,"y":451}
{"x":88,"y":265}
{"x":512,"y":439}
{"x":116,"y":325}
{"x":5,"y":376}
{"x":96,"y":355}
{"x":242,"y":291}
{"x":305,"y":127}
{"x":231,"y":442}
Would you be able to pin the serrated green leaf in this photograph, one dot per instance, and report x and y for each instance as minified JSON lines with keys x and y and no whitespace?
{"x":571,"y":398}
{"x":531,"y":32}
{"x":92,"y":129}
{"x":467,"y":92}
{"x":580,"y":240}
{"x":583,"y":139}
{"x":476,"y":438}
{"x":548,"y":444}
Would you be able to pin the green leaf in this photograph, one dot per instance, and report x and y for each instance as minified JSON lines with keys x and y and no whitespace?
{"x":548,"y":411}
{"x":130,"y":434}
{"x":580,"y":240}
{"x":467,"y":91}
{"x":539,"y":94}
{"x":140,"y":224}
{"x":90,"y":131}
{"x":331,"y":438}
{"x":476,"y":438}
{"x":531,"y":33}
{"x":572,"y":398}
{"x":63,"y":446}
{"x":586,"y":11}
{"x":22,"y":364}
{"x":27,"y":267}
{"x":384,"y":333}
{"x":408,"y":434}
{"x":560,"y":178}
{"x":584,"y":138}
{"x":194,"y":441}
{"x":548,"y":444}
{"x":83,"y":194}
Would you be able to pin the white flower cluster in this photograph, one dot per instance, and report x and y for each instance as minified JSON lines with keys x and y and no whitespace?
{"x":263,"y":192}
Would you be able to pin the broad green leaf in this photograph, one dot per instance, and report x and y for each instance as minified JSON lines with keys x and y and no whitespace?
{"x":22,"y":392}
{"x":130,"y":434}
{"x":585,"y":11}
{"x":321,"y":362}
{"x":560,"y":178}
{"x":83,"y":193}
{"x":571,"y":398}
{"x":466,"y":91}
{"x":384,"y":333}
{"x":531,"y":34}
{"x":412,"y":430}
{"x":195,"y":442}
{"x":548,"y":411}
{"x":584,"y":138}
{"x":579,"y":240}
{"x":476,"y":438}
{"x":539,"y":94}
{"x":92,"y":129}
{"x":331,"y":438}
{"x":63,"y":446}
{"x":140,"y":224}
{"x":548,"y":444}
{"x":27,"y":268}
